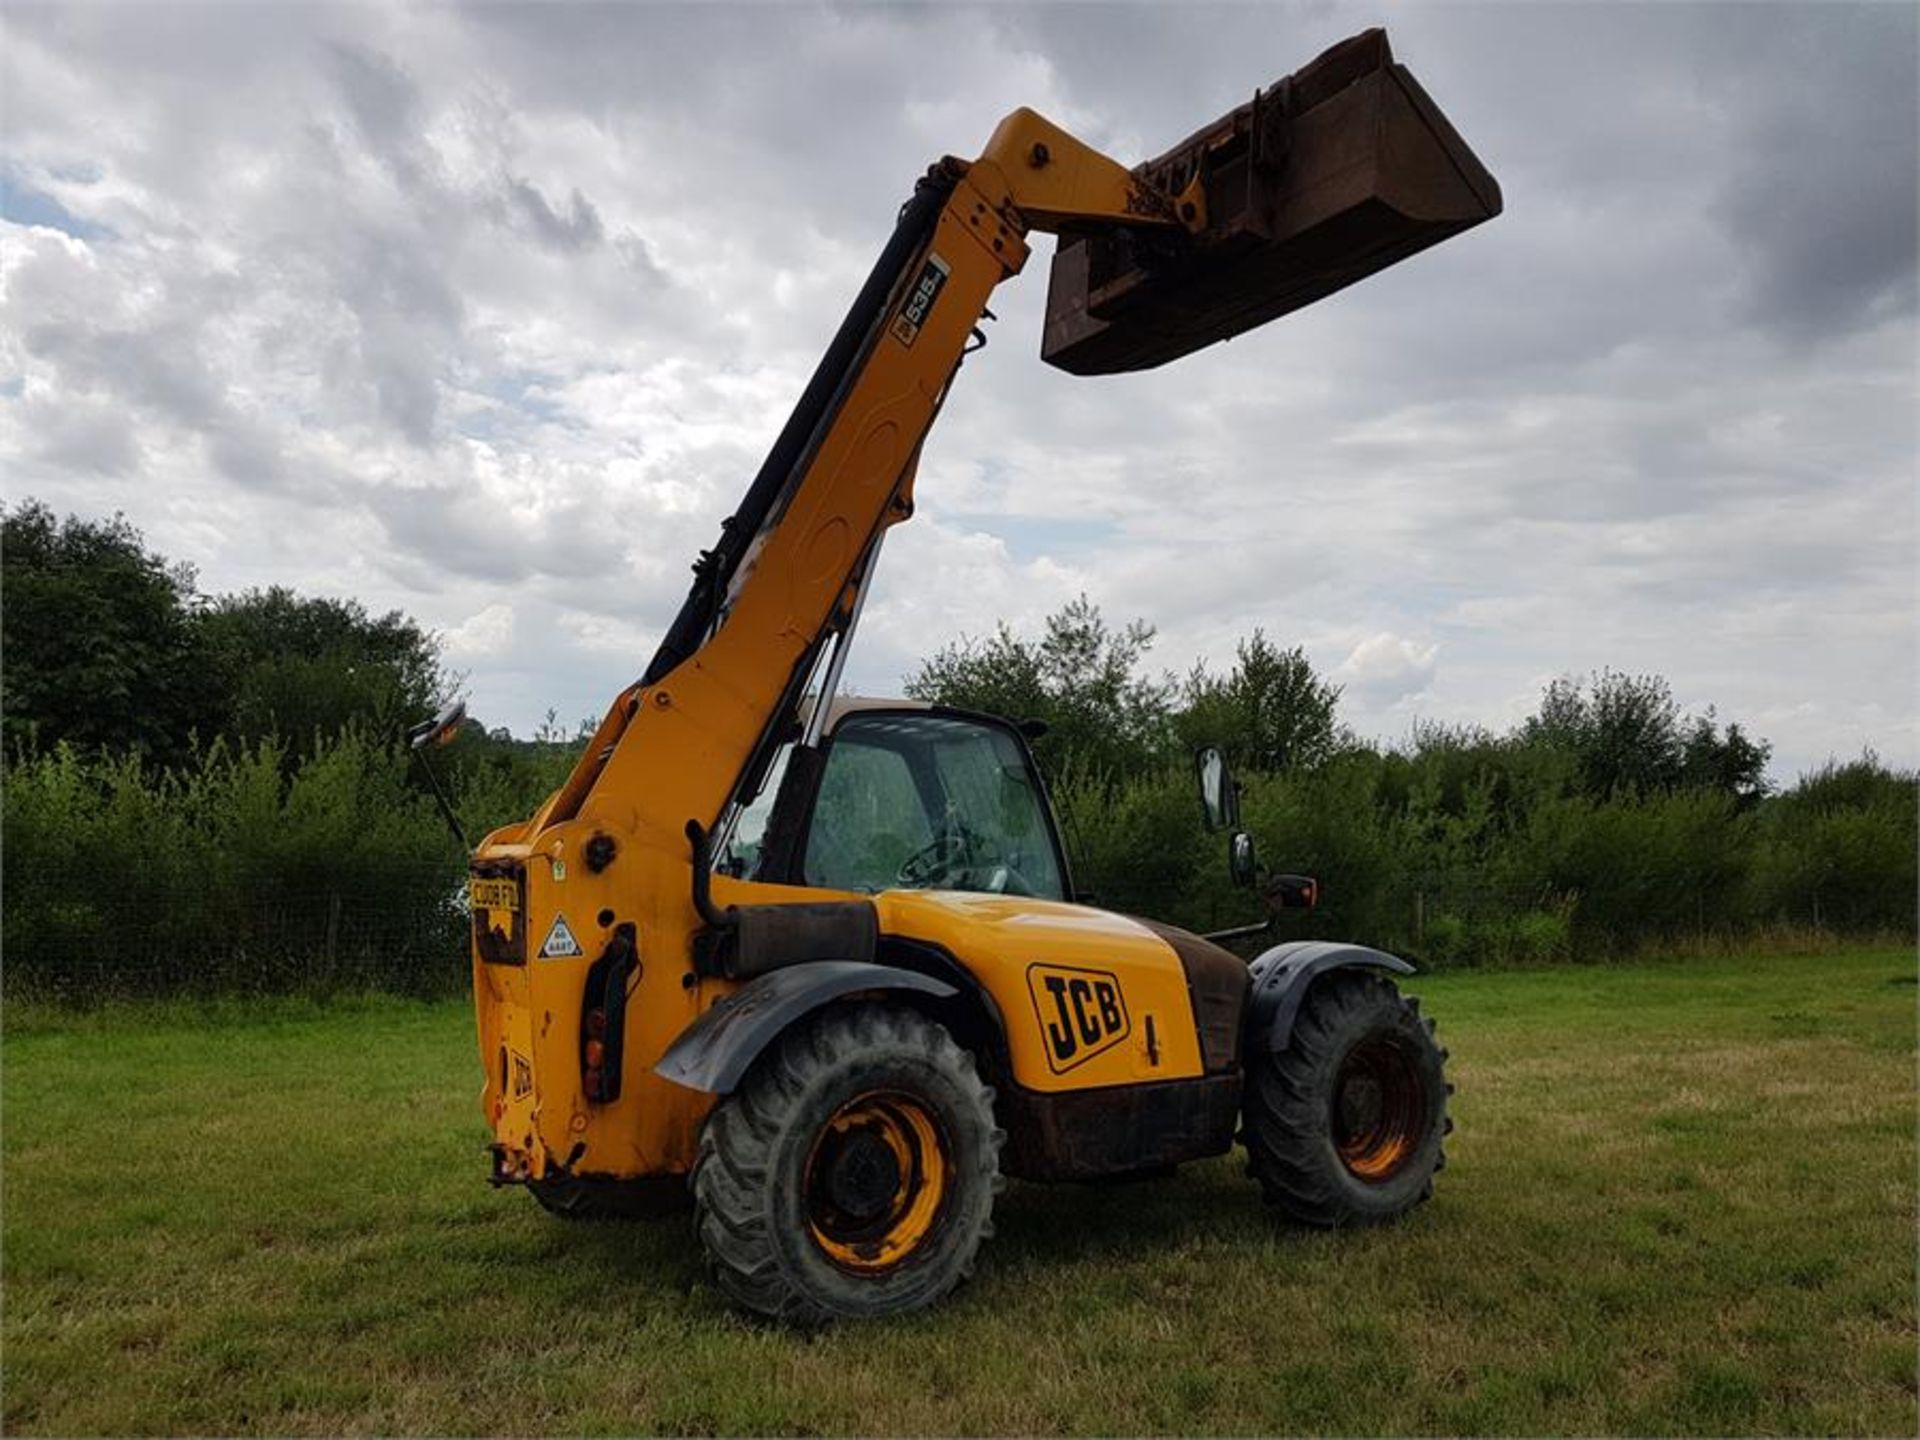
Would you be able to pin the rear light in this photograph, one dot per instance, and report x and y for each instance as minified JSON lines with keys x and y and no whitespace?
{"x":603,"y":1015}
{"x":593,"y":1054}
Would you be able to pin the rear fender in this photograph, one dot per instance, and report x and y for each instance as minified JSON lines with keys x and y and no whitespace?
{"x":715,"y":1051}
{"x":1283,"y":975}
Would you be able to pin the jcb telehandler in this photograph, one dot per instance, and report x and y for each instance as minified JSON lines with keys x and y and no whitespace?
{"x":824,"y":958}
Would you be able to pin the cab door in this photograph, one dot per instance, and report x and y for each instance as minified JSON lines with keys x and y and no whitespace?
{"x":931,"y":800}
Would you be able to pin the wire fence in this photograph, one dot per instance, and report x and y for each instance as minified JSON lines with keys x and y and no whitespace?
{"x":402,"y":930}
{"x":1449,"y":920}
{"x":1468,"y":917}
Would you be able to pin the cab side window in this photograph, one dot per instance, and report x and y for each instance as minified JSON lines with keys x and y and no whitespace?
{"x":740,"y":853}
{"x":868,"y":820}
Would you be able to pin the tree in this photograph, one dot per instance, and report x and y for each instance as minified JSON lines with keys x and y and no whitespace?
{"x":99,"y":638}
{"x":1731,"y":761}
{"x":1081,"y":677}
{"x":296,"y":666}
{"x":1626,"y":735}
{"x":108,"y":646}
{"x":1270,"y":712}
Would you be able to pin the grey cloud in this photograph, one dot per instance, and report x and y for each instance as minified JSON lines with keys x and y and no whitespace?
{"x":1823,"y":196}
{"x":86,"y":439}
{"x":639,"y":258}
{"x":382,"y":99}
{"x":401,"y":269}
{"x":159,"y":368}
{"x":579,"y":229}
{"x":455,"y":529}
{"x":401,"y":364}
{"x":1657,"y":416}
{"x":1389,"y":669}
{"x":246,"y":454}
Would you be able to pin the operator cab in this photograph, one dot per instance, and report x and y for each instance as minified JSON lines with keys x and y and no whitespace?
{"x":904,"y":796}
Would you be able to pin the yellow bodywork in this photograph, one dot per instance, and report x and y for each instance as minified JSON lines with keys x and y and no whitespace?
{"x":1061,"y":975}
{"x":530,"y":1014}
{"x":1014,"y":947}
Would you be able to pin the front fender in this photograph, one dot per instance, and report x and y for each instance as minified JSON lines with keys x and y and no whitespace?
{"x":714,"y":1051}
{"x":1282,"y":976}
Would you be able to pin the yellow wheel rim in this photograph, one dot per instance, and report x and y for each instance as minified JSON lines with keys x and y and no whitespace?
{"x":1379,"y":1109}
{"x":876,"y":1181}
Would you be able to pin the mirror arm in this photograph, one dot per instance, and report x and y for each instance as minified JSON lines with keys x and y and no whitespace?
{"x":440,"y":797}
{"x":1239,"y":932}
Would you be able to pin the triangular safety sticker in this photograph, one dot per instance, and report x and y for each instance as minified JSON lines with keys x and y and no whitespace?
{"x":560,"y":944}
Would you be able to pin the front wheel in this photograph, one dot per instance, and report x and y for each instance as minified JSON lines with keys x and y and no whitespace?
{"x":1345,"y":1125}
{"x":852,"y":1174}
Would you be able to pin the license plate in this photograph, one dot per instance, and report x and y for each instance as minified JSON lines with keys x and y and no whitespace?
{"x":493,"y":895}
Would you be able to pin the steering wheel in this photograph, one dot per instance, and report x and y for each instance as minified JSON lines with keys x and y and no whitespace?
{"x":1005,"y":880}
{"x":937,"y":860}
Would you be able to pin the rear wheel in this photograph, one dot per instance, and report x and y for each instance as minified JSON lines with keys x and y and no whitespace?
{"x":853,"y":1172}
{"x":1345,"y":1125}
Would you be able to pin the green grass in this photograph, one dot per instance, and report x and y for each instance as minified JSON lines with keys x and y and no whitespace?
{"x":1681,"y":1199}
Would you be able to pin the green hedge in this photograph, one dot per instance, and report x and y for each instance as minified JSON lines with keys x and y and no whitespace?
{"x":240,"y":871}
{"x":1484,"y":873}
{"x":250,"y":870}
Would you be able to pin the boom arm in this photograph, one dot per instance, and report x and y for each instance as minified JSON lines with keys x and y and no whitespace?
{"x":1339,"y":170}
{"x":785,"y":576}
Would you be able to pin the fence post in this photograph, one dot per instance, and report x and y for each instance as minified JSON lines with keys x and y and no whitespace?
{"x":333,"y":933}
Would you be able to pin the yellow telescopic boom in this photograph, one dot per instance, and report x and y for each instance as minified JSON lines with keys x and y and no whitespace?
{"x":1325,"y":177}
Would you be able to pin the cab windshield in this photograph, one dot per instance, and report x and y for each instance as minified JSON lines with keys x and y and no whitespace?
{"x":930,"y":802}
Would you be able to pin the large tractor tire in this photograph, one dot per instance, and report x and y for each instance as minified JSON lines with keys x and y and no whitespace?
{"x":853,"y":1173}
{"x":1345,"y":1125}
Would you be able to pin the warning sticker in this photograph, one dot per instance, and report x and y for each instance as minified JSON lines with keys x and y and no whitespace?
{"x":560,"y":944}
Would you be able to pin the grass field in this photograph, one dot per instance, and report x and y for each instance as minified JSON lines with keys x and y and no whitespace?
{"x":1681,"y":1199}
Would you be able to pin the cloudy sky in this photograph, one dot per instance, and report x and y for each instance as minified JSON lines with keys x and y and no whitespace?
{"x":489,"y":313}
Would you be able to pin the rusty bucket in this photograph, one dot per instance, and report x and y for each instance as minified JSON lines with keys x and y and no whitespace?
{"x":1335,"y":172}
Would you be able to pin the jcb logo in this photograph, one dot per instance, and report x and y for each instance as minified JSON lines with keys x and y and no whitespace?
{"x":1081,"y":1013}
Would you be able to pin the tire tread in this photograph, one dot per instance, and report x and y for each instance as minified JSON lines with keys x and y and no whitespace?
{"x":1285,"y":1106}
{"x":735,"y":1157}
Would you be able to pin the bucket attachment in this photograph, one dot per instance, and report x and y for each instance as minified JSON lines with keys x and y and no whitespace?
{"x":1339,"y":170}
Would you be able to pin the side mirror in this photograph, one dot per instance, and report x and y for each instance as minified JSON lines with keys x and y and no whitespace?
{"x":441,"y":729}
{"x":1219,"y":796}
{"x":1242,"y":864}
